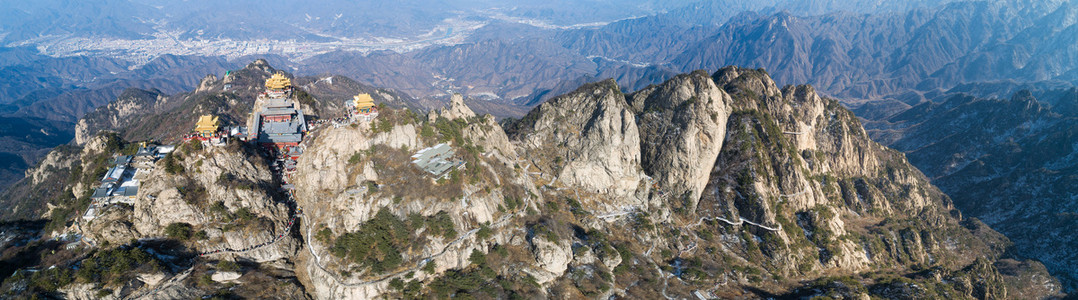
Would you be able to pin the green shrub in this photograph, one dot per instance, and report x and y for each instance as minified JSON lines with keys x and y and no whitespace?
{"x":575,"y":207}
{"x":306,"y":99}
{"x":429,"y":267}
{"x":426,"y":131}
{"x":180,"y":231}
{"x":484,"y":232}
{"x":544,"y":231}
{"x":356,"y":158}
{"x":193,"y":192}
{"x":245,"y":214}
{"x":50,"y":280}
{"x":456,"y":282}
{"x":442,"y":225}
{"x":450,"y":130}
{"x":511,"y":203}
{"x":171,"y":165}
{"x":325,"y":235}
{"x":224,"y":178}
{"x":114,"y":265}
{"x":129,"y":149}
{"x":478,"y":258}
{"x":552,"y":206}
{"x":396,"y":284}
{"x":219,"y":209}
{"x":227,"y":266}
{"x":192,"y":146}
{"x":58,"y":218}
{"x":377,"y":243}
{"x":113,"y":142}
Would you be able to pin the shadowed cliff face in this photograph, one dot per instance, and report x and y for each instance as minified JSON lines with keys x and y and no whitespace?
{"x":722,"y":185}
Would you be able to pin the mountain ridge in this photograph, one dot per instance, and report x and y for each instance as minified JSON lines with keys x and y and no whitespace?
{"x":799,"y":202}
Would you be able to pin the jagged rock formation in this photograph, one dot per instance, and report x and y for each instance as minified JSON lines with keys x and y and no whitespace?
{"x":586,"y":139}
{"x":682,"y":126}
{"x":457,"y":109}
{"x":117,"y":114}
{"x":349,"y":174}
{"x":708,"y":185}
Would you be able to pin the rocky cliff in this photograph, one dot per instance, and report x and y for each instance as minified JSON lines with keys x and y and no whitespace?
{"x":587,"y":139}
{"x":117,"y":114}
{"x":716,"y":185}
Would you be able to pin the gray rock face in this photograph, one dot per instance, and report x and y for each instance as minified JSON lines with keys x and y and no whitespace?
{"x":117,"y":113}
{"x":186,"y":197}
{"x":222,"y":276}
{"x":682,"y":127}
{"x":586,"y":139}
{"x":335,"y":193}
{"x":551,"y":259}
{"x":457,"y":109}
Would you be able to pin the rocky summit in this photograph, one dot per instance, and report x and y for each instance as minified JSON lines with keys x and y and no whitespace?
{"x":707,"y":186}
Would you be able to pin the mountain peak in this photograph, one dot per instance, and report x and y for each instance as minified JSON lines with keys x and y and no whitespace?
{"x":1025,"y":100}
{"x":261,"y":64}
{"x":738,"y":79}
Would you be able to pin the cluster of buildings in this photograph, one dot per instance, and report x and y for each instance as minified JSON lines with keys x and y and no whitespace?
{"x":437,"y":160}
{"x":121,"y":182}
{"x":278,"y":125}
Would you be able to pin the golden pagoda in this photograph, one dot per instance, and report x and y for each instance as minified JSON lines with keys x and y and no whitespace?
{"x":278,"y":82}
{"x":363,"y":103}
{"x":207,"y":125}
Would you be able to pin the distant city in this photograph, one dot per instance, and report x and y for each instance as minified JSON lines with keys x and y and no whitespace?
{"x":141,"y":51}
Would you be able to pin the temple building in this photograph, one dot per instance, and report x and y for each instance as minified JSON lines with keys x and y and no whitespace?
{"x":364,"y":107}
{"x":364,"y":104}
{"x":207,"y":125}
{"x":277,"y":122}
{"x":278,"y":86}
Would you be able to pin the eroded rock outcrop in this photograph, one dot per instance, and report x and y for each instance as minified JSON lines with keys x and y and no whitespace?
{"x":117,"y":114}
{"x":682,"y":127}
{"x":586,"y":139}
{"x":351,"y":174}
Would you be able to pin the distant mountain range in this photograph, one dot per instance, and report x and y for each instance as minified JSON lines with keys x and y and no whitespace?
{"x":898,"y":57}
{"x":1013,"y":163}
{"x":516,"y":53}
{"x":349,"y":19}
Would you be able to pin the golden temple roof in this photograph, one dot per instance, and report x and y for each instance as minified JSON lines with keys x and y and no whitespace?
{"x":363,"y":101}
{"x":278,"y":82}
{"x":207,"y":123}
